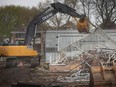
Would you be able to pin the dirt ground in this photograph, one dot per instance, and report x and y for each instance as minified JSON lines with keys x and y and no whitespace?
{"x":41,"y":77}
{"x":9,"y":76}
{"x":14,"y":75}
{"x":35,"y":76}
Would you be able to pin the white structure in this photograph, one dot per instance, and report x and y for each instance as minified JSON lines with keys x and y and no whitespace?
{"x":59,"y":40}
{"x":111,"y":33}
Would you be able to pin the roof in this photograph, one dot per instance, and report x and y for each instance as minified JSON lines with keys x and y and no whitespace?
{"x":108,"y":25}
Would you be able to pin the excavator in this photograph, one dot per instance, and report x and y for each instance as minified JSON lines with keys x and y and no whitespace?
{"x":24,"y":51}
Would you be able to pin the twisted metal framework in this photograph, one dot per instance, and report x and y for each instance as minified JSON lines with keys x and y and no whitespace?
{"x":95,"y":46}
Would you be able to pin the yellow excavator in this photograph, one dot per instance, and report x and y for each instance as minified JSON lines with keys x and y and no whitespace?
{"x":12,"y":52}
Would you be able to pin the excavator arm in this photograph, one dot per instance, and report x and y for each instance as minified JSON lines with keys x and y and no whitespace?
{"x":48,"y":13}
{"x":39,"y":19}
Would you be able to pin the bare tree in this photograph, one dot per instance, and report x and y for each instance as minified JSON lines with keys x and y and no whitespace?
{"x":104,"y":12}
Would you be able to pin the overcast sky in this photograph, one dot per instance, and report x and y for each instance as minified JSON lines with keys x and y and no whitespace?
{"x":27,"y":3}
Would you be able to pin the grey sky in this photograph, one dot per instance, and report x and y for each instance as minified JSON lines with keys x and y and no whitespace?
{"x":27,"y":3}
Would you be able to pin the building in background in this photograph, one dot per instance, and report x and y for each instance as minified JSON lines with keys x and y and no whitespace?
{"x":59,"y":39}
